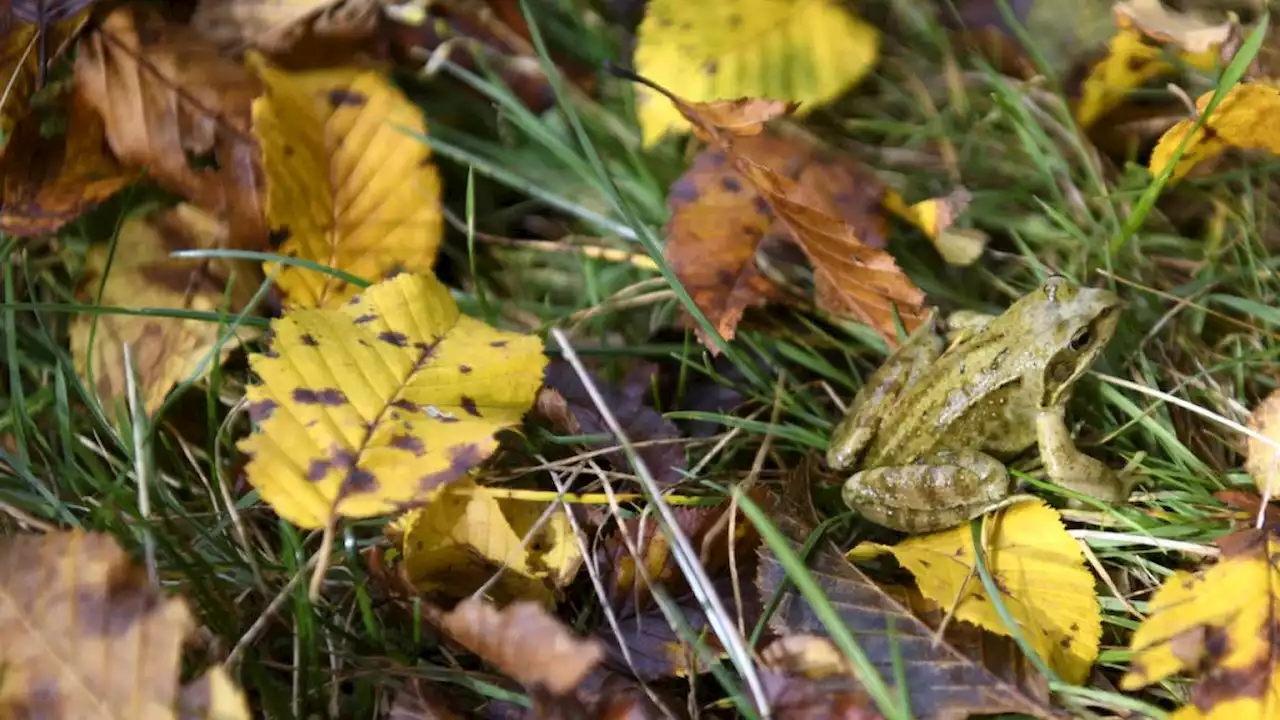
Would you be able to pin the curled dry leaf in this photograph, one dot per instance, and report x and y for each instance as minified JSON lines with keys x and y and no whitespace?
{"x":1248,"y":118}
{"x":1189,"y":30}
{"x":707,"y":51}
{"x":142,"y":274}
{"x":20,"y":62}
{"x":1262,"y":459}
{"x":525,"y":642}
{"x":565,"y":401}
{"x":1039,"y":569}
{"x":50,"y":181}
{"x":467,"y":533}
{"x":83,"y":634}
{"x":366,"y":409}
{"x":348,"y":184}
{"x":165,"y":94}
{"x":1219,"y":623}
{"x":806,"y":676}
{"x":278,"y":28}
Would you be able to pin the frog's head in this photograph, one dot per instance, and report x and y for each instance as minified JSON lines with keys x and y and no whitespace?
{"x":1072,"y":325}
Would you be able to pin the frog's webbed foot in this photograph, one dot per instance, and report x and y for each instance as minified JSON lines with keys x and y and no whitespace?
{"x":936,"y":492}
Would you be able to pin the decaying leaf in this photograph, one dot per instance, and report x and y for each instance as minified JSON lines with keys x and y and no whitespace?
{"x":1039,"y":569}
{"x":348,"y":184}
{"x":84,"y":635}
{"x":365,"y":409}
{"x":1219,"y":623}
{"x":1248,"y":118}
{"x":143,"y":275}
{"x":166,"y":95}
{"x":1132,"y":59}
{"x":466,"y":534}
{"x":808,"y":51}
{"x":50,"y":181}
{"x":1262,"y":461}
{"x":20,"y":62}
{"x":944,"y":683}
{"x":566,"y":402}
{"x":277,"y":27}
{"x":524,"y":642}
{"x":422,"y":700}
{"x":806,"y":676}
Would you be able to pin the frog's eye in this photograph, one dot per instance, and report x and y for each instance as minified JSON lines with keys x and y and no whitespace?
{"x":1081,"y":339}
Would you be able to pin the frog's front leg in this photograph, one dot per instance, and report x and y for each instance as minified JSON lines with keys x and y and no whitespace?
{"x":1072,"y":469}
{"x":937,"y":491}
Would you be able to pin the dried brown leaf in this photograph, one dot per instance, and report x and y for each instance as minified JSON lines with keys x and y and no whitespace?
{"x":50,"y":181}
{"x":166,"y":95}
{"x":525,"y":642}
{"x":20,"y":59}
{"x":278,"y":28}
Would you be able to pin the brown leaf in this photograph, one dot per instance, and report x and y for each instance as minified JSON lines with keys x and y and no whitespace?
{"x":806,"y":676}
{"x":1246,"y":505}
{"x":575,"y":413}
{"x":719,"y":220}
{"x":50,"y":181}
{"x":524,"y":642}
{"x":742,"y":116}
{"x":944,"y":683}
{"x":165,"y":95}
{"x":279,"y":28}
{"x":20,"y":62}
{"x":83,"y":634}
{"x":419,"y":699}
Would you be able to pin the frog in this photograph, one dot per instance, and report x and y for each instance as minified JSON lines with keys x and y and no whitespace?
{"x":927,"y":436}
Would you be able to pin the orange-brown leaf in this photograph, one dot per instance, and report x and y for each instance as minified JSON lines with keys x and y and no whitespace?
{"x":742,"y":117}
{"x":165,"y":95}
{"x":20,"y":61}
{"x":50,"y":181}
{"x":525,"y":642}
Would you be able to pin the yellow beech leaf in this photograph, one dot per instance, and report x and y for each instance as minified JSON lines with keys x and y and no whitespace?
{"x":1262,"y":461}
{"x":1039,"y":568}
{"x":363,"y":410}
{"x":809,"y":51}
{"x":1132,"y":60}
{"x":348,"y":184}
{"x":142,"y":274}
{"x":1218,"y":622}
{"x":465,"y":534}
{"x":1248,"y":118}
{"x":83,"y":634}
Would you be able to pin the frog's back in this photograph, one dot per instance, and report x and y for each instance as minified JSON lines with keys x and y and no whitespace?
{"x":971,"y":400}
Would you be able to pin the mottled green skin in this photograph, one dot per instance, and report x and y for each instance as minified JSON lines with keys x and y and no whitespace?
{"x":927,"y":433}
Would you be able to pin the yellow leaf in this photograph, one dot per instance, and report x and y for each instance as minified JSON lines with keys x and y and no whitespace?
{"x":166,"y":351}
{"x":365,"y":409}
{"x":1040,"y":570}
{"x":1219,"y":622}
{"x":1248,"y":118}
{"x":808,"y":51}
{"x":84,"y":635}
{"x":465,"y":534}
{"x":348,"y":184}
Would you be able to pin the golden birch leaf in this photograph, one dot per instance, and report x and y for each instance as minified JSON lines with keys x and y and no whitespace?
{"x":363,"y":410}
{"x":1218,"y":622}
{"x":1248,"y":118}
{"x":1040,"y":570}
{"x":809,"y":51}
{"x":348,"y":184}
{"x":142,"y":274}
{"x":466,"y":533}
{"x":83,"y":634}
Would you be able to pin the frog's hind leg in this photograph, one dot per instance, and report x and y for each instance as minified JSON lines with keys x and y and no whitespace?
{"x":937,"y":491}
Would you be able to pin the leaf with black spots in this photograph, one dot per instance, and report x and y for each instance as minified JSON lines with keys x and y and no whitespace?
{"x":365,"y":409}
{"x":83,"y":634}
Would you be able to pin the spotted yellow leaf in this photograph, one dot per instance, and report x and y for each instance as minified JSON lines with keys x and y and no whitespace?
{"x":1218,"y":622}
{"x":363,"y":410}
{"x":1248,"y":118}
{"x":808,"y":51}
{"x":1039,"y":568}
{"x":83,"y":634}
{"x":349,"y":180}
{"x":466,"y":533}
{"x":142,"y":274}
